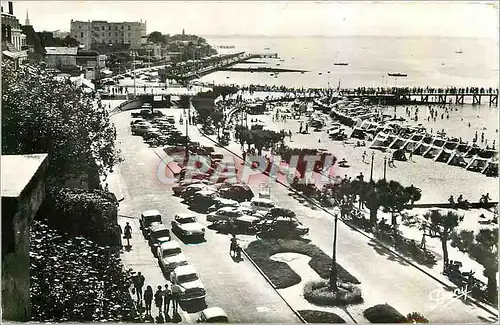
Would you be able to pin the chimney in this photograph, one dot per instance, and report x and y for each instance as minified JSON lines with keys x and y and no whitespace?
{"x":11,"y":8}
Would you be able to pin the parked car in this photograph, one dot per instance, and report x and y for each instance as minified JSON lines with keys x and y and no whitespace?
{"x":158,"y":231}
{"x":147,"y":218}
{"x":282,"y":227}
{"x":221,"y":203}
{"x":159,"y":241}
{"x":188,"y":278}
{"x":140,"y":128}
{"x":184,"y":184}
{"x":187,"y":225}
{"x":191,"y":189}
{"x":224,"y":214}
{"x":201,"y":200}
{"x":237,"y":192}
{"x":170,"y":256}
{"x":212,"y":315}
{"x":261,"y":205}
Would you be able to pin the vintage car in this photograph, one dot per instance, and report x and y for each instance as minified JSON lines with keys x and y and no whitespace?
{"x":191,"y":189}
{"x":185,"y":224}
{"x":282,"y":227}
{"x":170,"y":256}
{"x":248,"y":225}
{"x":224,"y":214}
{"x":147,"y":218}
{"x":157,"y":231}
{"x":212,"y":315}
{"x":184,"y":184}
{"x":187,"y":277}
{"x":222,"y":203}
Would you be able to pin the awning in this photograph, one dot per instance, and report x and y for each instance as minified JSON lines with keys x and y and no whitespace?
{"x":14,"y":55}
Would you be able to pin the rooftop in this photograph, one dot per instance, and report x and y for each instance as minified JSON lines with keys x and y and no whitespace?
{"x":61,"y":50}
{"x":18,"y":171}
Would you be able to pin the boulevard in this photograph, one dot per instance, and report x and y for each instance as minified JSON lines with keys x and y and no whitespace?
{"x":384,"y":277}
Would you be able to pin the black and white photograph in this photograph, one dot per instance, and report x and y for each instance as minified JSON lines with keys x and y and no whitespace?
{"x":250,"y":161}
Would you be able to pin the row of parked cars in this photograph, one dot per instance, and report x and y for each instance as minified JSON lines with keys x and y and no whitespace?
{"x":173,"y":262}
{"x":156,"y":128}
{"x":251,"y":215}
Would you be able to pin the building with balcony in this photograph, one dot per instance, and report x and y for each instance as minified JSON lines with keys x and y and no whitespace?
{"x":13,"y":39}
{"x":91,"y":34}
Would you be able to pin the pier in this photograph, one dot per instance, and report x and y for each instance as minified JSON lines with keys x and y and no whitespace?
{"x":427,"y":95}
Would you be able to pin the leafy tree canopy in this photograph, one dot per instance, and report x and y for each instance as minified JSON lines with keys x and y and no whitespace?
{"x":42,"y":114}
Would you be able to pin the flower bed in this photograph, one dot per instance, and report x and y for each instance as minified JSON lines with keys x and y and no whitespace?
{"x":318,"y":316}
{"x":319,"y":293}
{"x":280,"y":273}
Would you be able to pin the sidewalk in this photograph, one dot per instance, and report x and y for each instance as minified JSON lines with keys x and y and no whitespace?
{"x":140,"y":259}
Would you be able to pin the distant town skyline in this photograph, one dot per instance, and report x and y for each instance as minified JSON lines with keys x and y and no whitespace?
{"x":306,"y":18}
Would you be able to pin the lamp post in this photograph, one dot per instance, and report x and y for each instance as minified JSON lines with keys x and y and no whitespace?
{"x":333,"y":269}
{"x":133,"y":67}
{"x":371,"y":168}
{"x":385,"y":166}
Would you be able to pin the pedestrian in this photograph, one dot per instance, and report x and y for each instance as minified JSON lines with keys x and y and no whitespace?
{"x":159,"y":299}
{"x":138,"y":282}
{"x":422,"y":242}
{"x":118,"y":235}
{"x":176,"y":293}
{"x":410,"y":156}
{"x":128,"y":233}
{"x":167,"y":297}
{"x":364,"y":156}
{"x":148,"y":299}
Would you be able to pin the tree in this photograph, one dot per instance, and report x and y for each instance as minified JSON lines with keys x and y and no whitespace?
{"x":44,"y":115}
{"x":217,"y":117}
{"x":70,"y":41}
{"x":437,"y":224}
{"x":394,"y":198}
{"x":157,"y":38}
{"x":484,"y":249}
{"x":414,"y":193}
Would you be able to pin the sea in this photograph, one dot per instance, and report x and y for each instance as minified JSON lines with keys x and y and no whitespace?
{"x":427,"y":61}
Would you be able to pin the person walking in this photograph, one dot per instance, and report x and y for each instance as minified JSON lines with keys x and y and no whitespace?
{"x":410,"y":156}
{"x":138,"y":282}
{"x":148,"y":299}
{"x":159,"y":299}
{"x":128,"y":233}
{"x":167,"y":297}
{"x":176,"y":293}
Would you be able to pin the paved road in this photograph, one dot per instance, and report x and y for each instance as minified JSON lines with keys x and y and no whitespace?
{"x":238,"y":288}
{"x":384,"y":277}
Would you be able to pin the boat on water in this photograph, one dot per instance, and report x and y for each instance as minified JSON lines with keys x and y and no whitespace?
{"x":267,"y":48}
{"x":459,"y":51}
{"x":341,"y":63}
{"x":397,"y":74}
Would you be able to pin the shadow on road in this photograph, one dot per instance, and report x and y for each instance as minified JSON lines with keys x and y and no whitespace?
{"x":193,"y":306}
{"x":385,"y":252}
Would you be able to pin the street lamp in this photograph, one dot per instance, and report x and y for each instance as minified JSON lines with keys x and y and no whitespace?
{"x":333,"y":269}
{"x":371,"y":168}
{"x":385,"y":166}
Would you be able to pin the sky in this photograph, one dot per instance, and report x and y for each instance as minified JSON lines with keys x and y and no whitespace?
{"x":277,"y":18}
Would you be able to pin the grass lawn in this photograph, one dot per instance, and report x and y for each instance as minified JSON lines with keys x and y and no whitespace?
{"x":317,"y":316}
{"x":280,"y":273}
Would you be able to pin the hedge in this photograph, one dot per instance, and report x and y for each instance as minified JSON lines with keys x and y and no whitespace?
{"x":77,"y":212}
{"x":318,"y":316}
{"x":280,"y":273}
{"x":384,"y":314}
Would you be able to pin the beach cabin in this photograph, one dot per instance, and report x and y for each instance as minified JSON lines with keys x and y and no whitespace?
{"x":380,"y":141}
{"x":463,"y":148}
{"x":428,"y":139}
{"x":417,"y":137}
{"x":491,"y":169}
{"x":421,"y":149}
{"x":410,"y":145}
{"x":451,"y":144}
{"x":432,"y":152}
{"x":398,"y":143}
{"x":457,"y":159}
{"x":444,"y":155}
{"x":477,"y":164}
{"x":438,"y":142}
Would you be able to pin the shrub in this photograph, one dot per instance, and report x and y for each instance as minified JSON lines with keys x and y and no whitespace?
{"x":89,"y":213}
{"x":318,"y":316}
{"x":319,"y":293}
{"x":280,"y":273}
{"x":384,"y":314}
{"x":416,"y":317}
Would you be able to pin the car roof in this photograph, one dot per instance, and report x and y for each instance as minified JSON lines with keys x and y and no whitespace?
{"x":170,"y":245}
{"x":185,"y":215}
{"x":150,"y":213}
{"x":228,"y":209}
{"x":257,"y":199}
{"x":158,"y":227}
{"x":185,"y":269}
{"x":206,"y":192}
{"x":214,"y":312}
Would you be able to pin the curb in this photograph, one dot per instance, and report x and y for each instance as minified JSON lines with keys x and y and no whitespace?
{"x":274,"y":287}
{"x":473,"y":300}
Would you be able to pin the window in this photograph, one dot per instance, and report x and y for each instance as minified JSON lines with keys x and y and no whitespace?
{"x":109,"y":27}
{"x":81,"y":34}
{"x":102,"y":34}
{"x":116,"y":27}
{"x":128,"y":34}
{"x":128,"y":27}
{"x":102,"y":28}
{"x":116,"y":34}
{"x":122,"y":26}
{"x":109,"y":34}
